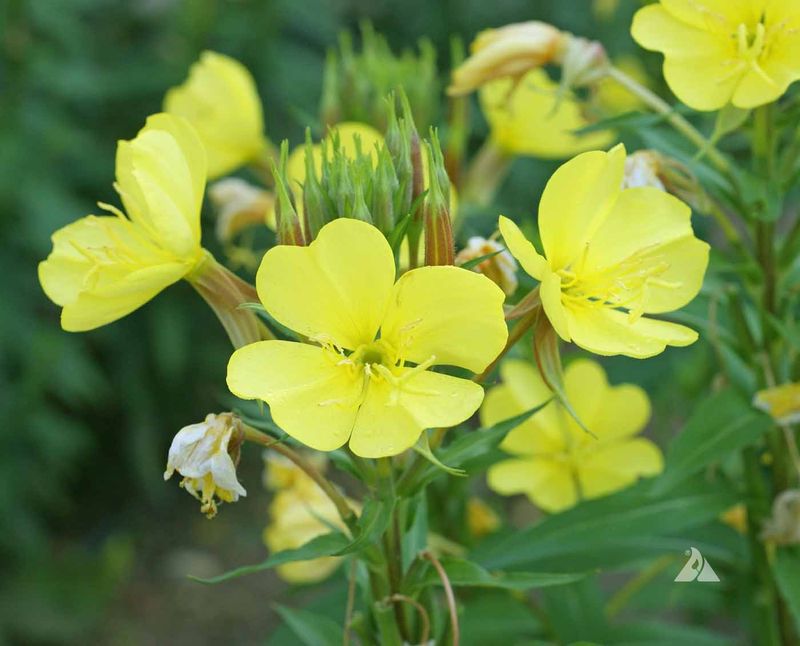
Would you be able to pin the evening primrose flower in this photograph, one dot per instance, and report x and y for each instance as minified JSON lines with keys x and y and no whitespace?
{"x":610,"y":256}
{"x":556,"y":463}
{"x":365,"y":375}
{"x":509,"y":51}
{"x":715,"y":52}
{"x":104,"y":267}
{"x":219,"y":98}
{"x":530,"y":118}
{"x":206,"y":455}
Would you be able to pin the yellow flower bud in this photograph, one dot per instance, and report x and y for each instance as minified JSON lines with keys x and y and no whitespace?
{"x":206,"y":455}
{"x":512,"y":51}
{"x":782,"y":402}
{"x":500,"y":268}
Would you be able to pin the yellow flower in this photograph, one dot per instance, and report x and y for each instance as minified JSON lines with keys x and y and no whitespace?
{"x":206,"y":455}
{"x":298,"y":514}
{"x":281,"y":473}
{"x":782,"y":402}
{"x":557,"y":463}
{"x":530,"y":119}
{"x":104,"y":267}
{"x":509,"y":51}
{"x":481,"y":518}
{"x":365,"y":375}
{"x":501,"y":268}
{"x":220,"y":100}
{"x":611,"y":255}
{"x":718,"y":51}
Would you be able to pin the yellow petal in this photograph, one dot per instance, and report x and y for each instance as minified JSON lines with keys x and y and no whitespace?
{"x":391,"y":421}
{"x":452,"y":315}
{"x":576,"y":200}
{"x":530,"y":119}
{"x":718,"y":16}
{"x":550,"y":294}
{"x":547,"y":483}
{"x":161,"y":178}
{"x":698,"y":51}
{"x":522,"y":249}
{"x":310,"y":397}
{"x":334,"y":290}
{"x":220,"y":100}
{"x":101,"y":269}
{"x":609,"y":332}
{"x":610,"y":412}
{"x":618,"y":465}
{"x":755,"y":89}
{"x":652,"y":229}
{"x":522,"y":389}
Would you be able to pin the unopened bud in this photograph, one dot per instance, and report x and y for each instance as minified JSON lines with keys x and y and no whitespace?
{"x":383,"y":192}
{"x":240,"y":205}
{"x":439,"y":245}
{"x":316,"y":208}
{"x":206,"y":455}
{"x":509,"y":51}
{"x":500,"y":267}
{"x":330,"y":108}
{"x":288,"y":224}
{"x":782,"y":403}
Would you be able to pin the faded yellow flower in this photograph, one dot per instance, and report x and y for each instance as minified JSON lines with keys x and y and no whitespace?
{"x":555,"y":462}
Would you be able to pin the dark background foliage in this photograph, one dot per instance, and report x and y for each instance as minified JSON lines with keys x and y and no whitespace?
{"x":94,"y":546}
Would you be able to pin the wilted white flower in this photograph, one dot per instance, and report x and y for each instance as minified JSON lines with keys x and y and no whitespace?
{"x":501,"y":268}
{"x":240,"y":205}
{"x":642,"y":169}
{"x":206,"y":455}
{"x":783,"y":527}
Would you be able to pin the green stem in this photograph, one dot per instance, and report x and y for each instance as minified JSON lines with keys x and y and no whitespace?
{"x":339,"y":501}
{"x":765,"y":599}
{"x":392,"y":545}
{"x":486,"y":172}
{"x":677,"y":121}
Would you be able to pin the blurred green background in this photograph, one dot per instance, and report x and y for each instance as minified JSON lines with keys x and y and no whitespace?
{"x":94,"y":546}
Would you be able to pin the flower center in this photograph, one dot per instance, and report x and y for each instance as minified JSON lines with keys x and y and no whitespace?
{"x":377,"y":353}
{"x":750,"y":43}
{"x":625,"y":285}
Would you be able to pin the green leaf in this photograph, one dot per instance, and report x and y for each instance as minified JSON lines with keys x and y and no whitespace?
{"x":474,"y":262}
{"x":469,"y":447}
{"x":311,"y":628}
{"x":728,"y":119}
{"x":325,"y":545}
{"x":633,"y":120}
{"x":372,"y":522}
{"x":723,"y":423}
{"x":463,"y":573}
{"x":786,"y":569}
{"x":625,"y":527}
{"x":423,"y":447}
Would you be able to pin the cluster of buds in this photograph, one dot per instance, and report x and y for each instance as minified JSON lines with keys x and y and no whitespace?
{"x":514,"y":50}
{"x":401,"y":187}
{"x":355,"y":83}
